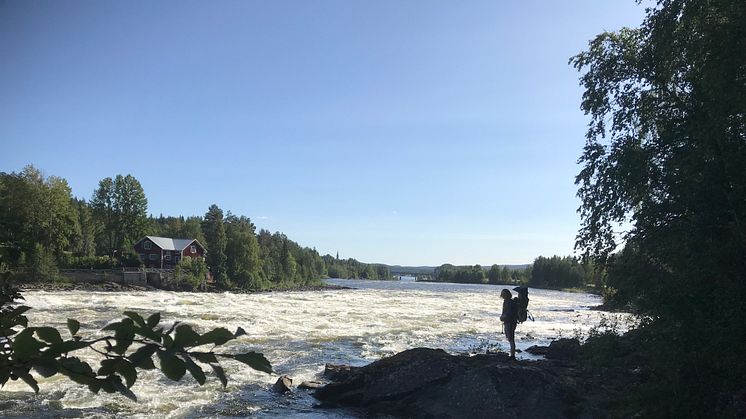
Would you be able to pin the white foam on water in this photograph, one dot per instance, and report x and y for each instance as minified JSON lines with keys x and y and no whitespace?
{"x":298,"y":332}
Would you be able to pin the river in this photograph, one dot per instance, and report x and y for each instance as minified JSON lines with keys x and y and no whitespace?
{"x":298,"y":332}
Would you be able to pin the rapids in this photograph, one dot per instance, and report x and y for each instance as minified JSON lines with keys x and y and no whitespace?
{"x":298,"y":332}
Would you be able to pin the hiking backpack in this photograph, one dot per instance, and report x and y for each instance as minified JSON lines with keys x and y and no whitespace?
{"x":521,"y":304}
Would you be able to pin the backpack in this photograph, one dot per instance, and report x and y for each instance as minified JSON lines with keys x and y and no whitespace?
{"x":521,"y":304}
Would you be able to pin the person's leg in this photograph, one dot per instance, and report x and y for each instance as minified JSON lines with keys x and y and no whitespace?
{"x":510,"y":334}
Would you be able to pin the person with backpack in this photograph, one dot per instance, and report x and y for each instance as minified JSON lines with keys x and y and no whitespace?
{"x":509,"y":317}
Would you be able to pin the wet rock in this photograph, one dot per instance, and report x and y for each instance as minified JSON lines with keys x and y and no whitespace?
{"x":310,"y":384}
{"x":537,"y":350}
{"x":337,"y":372}
{"x":563,"y":349}
{"x":431,"y":383}
{"x":283,"y":384}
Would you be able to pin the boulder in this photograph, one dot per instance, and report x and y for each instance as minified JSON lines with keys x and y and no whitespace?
{"x":310,"y":384}
{"x":337,"y":372}
{"x":537,"y":350}
{"x":283,"y":384}
{"x":563,"y":349}
{"x":431,"y":383}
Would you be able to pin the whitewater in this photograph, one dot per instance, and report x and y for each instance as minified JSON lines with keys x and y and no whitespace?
{"x":298,"y":332}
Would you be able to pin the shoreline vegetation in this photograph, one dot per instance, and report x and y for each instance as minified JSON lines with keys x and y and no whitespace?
{"x":110,"y":286}
{"x":114,"y":286}
{"x":45,"y":230}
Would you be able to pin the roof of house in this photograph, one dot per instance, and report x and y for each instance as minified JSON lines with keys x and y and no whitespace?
{"x":167,"y":243}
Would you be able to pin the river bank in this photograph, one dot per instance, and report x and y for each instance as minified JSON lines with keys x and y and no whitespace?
{"x":110,"y":286}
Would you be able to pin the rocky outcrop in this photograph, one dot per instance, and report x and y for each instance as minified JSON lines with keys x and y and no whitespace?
{"x":426,"y":383}
{"x":283,"y":385}
{"x":564,"y":349}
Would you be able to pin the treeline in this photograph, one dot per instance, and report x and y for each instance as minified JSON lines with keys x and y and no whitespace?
{"x":351,"y":268}
{"x":44,"y":228}
{"x":564,"y":272}
{"x":477,"y":274}
{"x":553,"y":272}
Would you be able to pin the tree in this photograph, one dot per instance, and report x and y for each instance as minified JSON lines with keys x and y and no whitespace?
{"x":121,"y":207}
{"x":244,"y":266}
{"x":289,"y":265}
{"x":215,"y":241}
{"x":666,"y":155}
{"x":35,"y":210}
{"x":191,"y":272}
{"x":494,"y":274}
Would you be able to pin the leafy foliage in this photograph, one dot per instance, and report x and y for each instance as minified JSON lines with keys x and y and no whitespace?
{"x":563,"y":272}
{"x":665,"y":158}
{"x":191,"y":271}
{"x":131,"y":344}
{"x":476,"y":274}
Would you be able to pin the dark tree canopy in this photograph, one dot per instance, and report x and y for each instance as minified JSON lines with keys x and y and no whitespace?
{"x":665,"y":159}
{"x":666,"y":145}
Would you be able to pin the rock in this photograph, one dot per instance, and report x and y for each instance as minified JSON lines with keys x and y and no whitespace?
{"x":283,"y":384}
{"x":310,"y":384}
{"x":537,"y":350}
{"x":564,"y":349}
{"x":431,"y":383}
{"x":337,"y":372}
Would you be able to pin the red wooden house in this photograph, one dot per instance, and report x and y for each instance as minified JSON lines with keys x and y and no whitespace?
{"x":165,"y":253}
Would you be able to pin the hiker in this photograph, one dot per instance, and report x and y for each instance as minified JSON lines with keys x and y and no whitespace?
{"x":509,"y":317}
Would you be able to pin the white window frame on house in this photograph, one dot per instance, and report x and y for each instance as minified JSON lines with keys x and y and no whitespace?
{"x":167,"y":256}
{"x":146,"y":245}
{"x":153,"y":256}
{"x":193,"y":249}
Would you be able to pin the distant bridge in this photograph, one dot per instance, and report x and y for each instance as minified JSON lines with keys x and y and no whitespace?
{"x":417,"y":276}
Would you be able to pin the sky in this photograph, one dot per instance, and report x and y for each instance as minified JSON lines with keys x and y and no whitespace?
{"x":398,"y":132}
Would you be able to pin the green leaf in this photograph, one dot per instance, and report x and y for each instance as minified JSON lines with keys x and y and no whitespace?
{"x":46,"y":367}
{"x":58,"y":349}
{"x":112,"y":326}
{"x":195,"y":370}
{"x":167,"y":341}
{"x":116,"y":383}
{"x":77,"y":370}
{"x":124,"y":335}
{"x":141,"y":358}
{"x":121,"y":366}
{"x":217,"y":336}
{"x":148,"y":333}
{"x":207,"y":358}
{"x":28,"y":379}
{"x":171,"y":366}
{"x":73,"y":326}
{"x":135,"y":317}
{"x":185,"y":336}
{"x":128,"y":371}
{"x":107,"y":367}
{"x":48,"y":334}
{"x":218,"y":370}
{"x":153,"y":320}
{"x":94,"y":386}
{"x":254,"y":360}
{"x":17,"y":311}
{"x":4,"y":376}
{"x":25,"y":346}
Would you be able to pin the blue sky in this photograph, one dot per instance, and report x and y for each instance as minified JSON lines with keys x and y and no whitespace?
{"x":401,"y":132}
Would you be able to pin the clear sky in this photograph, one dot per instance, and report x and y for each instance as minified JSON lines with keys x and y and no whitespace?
{"x":401,"y":132}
